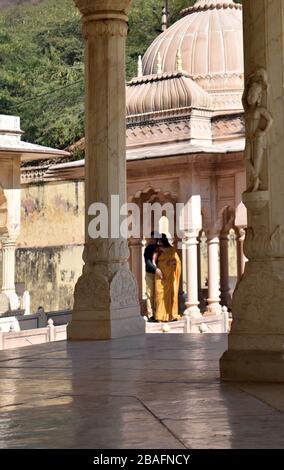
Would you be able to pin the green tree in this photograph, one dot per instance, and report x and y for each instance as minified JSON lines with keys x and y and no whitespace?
{"x":42,"y":70}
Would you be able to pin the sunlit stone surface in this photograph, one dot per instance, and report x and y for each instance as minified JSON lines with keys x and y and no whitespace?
{"x":152,"y":391}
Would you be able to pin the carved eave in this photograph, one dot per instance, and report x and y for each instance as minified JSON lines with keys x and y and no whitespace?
{"x":175,"y":114}
{"x":157,"y":77}
{"x":228,"y":128}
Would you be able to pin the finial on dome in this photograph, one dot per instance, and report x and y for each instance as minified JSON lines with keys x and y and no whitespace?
{"x":140,"y":67}
{"x":165,"y":15}
{"x":159,"y":64}
{"x":179,"y":61}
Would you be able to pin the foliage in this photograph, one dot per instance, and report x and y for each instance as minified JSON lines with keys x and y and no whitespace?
{"x":42,"y":63}
{"x":41,"y":71}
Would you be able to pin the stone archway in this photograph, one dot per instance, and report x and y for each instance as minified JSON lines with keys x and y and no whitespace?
{"x":152,"y":196}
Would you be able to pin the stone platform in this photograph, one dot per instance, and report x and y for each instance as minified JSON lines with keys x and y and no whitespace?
{"x":153,"y":391}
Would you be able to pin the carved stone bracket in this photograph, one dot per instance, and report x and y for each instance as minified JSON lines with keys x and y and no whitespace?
{"x":260,"y":244}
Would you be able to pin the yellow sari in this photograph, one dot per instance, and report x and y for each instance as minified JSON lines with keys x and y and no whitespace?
{"x":166,"y":289}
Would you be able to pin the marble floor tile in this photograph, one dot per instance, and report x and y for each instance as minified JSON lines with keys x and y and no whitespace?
{"x":153,"y":391}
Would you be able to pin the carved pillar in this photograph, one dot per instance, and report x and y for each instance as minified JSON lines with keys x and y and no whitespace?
{"x":213,"y":300}
{"x":178,"y":244}
{"x":192,"y":224}
{"x":135,"y":262}
{"x":8,"y":271}
{"x":256,"y":341}
{"x":224,"y":269}
{"x":105,"y":299}
{"x":241,"y":259}
{"x":10,"y":207}
{"x":191,"y":244}
{"x":202,"y":301}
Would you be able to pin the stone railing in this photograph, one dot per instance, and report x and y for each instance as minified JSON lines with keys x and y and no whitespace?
{"x":212,"y":324}
{"x":10,"y":338}
{"x":17,"y":339}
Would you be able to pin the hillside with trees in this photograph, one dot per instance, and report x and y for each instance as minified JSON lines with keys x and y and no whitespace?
{"x":42,"y":65}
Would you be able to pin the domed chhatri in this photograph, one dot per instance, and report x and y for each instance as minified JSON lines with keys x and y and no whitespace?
{"x":159,"y":93}
{"x":193,"y":69}
{"x":210,"y":38}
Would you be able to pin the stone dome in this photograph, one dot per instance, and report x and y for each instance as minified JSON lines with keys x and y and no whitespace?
{"x":209,"y":38}
{"x":165,"y":92}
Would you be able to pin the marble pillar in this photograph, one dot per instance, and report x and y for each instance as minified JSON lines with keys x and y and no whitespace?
{"x":135,"y":261}
{"x":191,"y":245}
{"x":241,"y":258}
{"x":255,"y":350}
{"x":213,"y":301}
{"x":224,"y":269}
{"x":10,"y":207}
{"x":106,"y":301}
{"x":8,"y":271}
{"x":192,"y":224}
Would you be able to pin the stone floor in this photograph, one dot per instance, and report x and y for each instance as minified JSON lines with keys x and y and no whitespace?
{"x":155,"y":391}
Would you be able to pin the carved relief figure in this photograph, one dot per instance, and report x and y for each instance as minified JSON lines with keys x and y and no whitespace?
{"x":258,"y":123}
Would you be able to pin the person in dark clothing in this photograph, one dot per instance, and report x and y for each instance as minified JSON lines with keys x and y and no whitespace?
{"x":151,"y":272}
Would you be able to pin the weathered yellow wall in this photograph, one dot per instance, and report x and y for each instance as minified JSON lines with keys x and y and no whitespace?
{"x":49,"y":254}
{"x":49,"y":274}
{"x":52,"y":214}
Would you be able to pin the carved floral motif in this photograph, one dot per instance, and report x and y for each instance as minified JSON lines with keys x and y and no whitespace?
{"x":123,"y":289}
{"x":91,"y":291}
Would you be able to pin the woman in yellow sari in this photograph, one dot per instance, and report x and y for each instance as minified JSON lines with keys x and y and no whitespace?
{"x":167,"y":285}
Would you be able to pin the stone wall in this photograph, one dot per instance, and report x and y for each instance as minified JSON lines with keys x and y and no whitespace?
{"x":49,"y":274}
{"x":49,"y":254}
{"x":52,"y":214}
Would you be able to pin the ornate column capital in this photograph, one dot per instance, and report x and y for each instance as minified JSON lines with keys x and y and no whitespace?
{"x":213,"y":236}
{"x":104,"y":9}
{"x":240,"y":233}
{"x":104,"y":17}
{"x":8,"y":240}
{"x":190,"y":236}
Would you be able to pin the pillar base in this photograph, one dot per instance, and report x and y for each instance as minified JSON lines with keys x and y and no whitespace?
{"x":213,"y":309}
{"x":105,"y":308}
{"x":252,"y":366}
{"x":13,"y":299}
{"x":192,"y":312}
{"x":120,"y":323}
